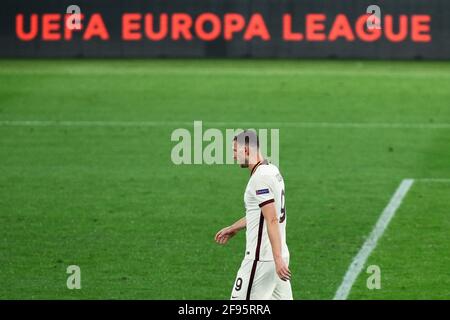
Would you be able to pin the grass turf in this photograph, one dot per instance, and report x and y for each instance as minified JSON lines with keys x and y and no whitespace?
{"x":109,"y":199}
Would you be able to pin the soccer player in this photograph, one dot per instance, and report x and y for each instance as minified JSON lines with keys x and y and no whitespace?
{"x":264,"y":272}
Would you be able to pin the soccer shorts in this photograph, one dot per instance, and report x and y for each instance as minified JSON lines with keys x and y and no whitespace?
{"x":258,"y":280}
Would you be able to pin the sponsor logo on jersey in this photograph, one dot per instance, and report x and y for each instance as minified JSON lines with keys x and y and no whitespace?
{"x":262,"y":191}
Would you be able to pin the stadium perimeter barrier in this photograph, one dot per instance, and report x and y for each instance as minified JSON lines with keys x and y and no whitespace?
{"x":391,"y":29}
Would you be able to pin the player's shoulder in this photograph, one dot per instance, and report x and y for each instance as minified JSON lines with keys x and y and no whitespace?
{"x":267,"y":171}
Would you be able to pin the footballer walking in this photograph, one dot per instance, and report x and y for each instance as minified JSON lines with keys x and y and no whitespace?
{"x":264,"y":272}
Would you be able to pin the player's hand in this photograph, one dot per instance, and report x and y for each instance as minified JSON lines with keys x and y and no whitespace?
{"x":224,"y":235}
{"x":282,"y":270}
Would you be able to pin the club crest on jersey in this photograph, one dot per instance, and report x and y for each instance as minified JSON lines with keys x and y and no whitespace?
{"x":262,"y":191}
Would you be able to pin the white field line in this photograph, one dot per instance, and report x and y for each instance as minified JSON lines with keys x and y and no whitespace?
{"x":230,"y":124}
{"x":433,"y":180}
{"x":371,"y":242}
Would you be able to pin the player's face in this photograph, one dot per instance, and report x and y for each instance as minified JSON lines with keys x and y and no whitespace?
{"x":240,"y":154}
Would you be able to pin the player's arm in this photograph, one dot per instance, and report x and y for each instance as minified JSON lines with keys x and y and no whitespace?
{"x":226,"y":233}
{"x":270,"y":215}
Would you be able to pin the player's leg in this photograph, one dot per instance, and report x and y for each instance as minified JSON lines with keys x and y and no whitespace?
{"x":255,"y":281}
{"x":239,"y":291}
{"x":264,"y":281}
{"x":283,"y":290}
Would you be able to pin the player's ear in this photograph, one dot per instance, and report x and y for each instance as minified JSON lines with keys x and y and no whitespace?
{"x":247,"y":150}
{"x":252,"y":155}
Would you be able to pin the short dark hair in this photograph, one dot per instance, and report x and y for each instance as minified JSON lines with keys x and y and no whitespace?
{"x":249,"y":136}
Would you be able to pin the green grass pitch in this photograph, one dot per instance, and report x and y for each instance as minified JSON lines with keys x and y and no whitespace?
{"x":109,"y":199}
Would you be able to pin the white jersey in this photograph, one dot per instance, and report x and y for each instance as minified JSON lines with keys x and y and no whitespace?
{"x":265,"y":186}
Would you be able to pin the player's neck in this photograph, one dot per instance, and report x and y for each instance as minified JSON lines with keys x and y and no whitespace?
{"x":252,"y":167}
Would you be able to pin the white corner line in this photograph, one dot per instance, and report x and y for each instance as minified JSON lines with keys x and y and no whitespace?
{"x":371,"y":242}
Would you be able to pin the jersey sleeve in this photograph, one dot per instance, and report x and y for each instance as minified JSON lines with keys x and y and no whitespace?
{"x":263,"y":191}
